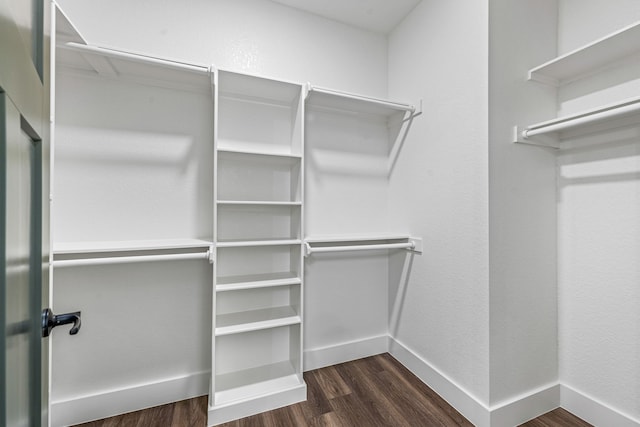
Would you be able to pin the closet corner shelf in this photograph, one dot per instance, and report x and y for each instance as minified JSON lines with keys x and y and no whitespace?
{"x":551,"y":133}
{"x":255,"y":320}
{"x":590,"y":58}
{"x":361,"y":243}
{"x":254,"y":281}
{"x":352,"y":103}
{"x":259,"y":242}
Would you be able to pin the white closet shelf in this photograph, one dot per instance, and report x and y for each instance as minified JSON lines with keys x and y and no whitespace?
{"x":70,"y":248}
{"x":551,"y":133}
{"x":352,"y":103}
{"x":257,"y":88}
{"x":590,"y":58}
{"x":259,"y":242}
{"x":256,"y":152}
{"x":259,"y":381}
{"x":255,"y":281}
{"x":255,"y":320}
{"x":257,"y":203}
{"x":144,"y":69}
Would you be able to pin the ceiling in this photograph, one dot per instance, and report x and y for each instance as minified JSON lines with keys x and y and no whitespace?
{"x":380,"y":16}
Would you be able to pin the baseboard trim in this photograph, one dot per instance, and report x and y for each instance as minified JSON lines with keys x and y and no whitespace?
{"x":510,"y":413}
{"x":317,"y":358}
{"x":526,"y":407}
{"x":109,"y":403}
{"x":469,"y":406}
{"x":593,"y":411}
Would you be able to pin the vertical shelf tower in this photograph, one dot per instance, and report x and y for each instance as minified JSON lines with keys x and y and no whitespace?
{"x":258,"y":273}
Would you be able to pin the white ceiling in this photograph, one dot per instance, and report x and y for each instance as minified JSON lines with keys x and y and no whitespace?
{"x":380,"y":16}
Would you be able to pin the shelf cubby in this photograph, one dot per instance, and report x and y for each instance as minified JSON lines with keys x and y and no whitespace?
{"x":272,"y":107}
{"x":247,"y":362}
{"x":255,"y":178}
{"x":258,"y":381}
{"x":252,"y":221}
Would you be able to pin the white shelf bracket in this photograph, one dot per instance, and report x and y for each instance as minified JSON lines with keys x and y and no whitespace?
{"x":211,"y":254}
{"x":548,"y":141}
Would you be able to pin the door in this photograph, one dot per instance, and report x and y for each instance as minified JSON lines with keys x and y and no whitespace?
{"x":23,"y":215}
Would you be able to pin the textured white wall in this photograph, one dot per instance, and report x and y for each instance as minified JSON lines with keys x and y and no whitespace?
{"x":253,"y":36}
{"x":599,"y":226}
{"x":522,"y":203}
{"x":439,"y":190}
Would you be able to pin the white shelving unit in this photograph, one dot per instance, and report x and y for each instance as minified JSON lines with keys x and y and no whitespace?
{"x":612,"y":50}
{"x":257,"y":327}
{"x":591,"y":58}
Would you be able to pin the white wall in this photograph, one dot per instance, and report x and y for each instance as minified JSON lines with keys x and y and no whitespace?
{"x":252,"y":36}
{"x":599,"y":226}
{"x":439,"y":190}
{"x":522,"y":204}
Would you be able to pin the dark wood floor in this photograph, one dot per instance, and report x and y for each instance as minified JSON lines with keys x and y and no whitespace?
{"x":375,"y":391}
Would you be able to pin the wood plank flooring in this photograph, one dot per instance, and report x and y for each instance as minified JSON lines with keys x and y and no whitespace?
{"x":370,"y":392}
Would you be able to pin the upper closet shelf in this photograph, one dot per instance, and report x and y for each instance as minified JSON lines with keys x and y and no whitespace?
{"x":603,"y":119}
{"x":357,"y":104}
{"x":143,"y":69}
{"x":70,"y":248}
{"x":589,"y":58}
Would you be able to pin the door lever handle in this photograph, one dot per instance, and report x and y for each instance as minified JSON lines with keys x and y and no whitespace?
{"x":50,"y":321}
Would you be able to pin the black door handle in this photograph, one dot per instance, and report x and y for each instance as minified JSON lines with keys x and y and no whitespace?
{"x":50,"y":321}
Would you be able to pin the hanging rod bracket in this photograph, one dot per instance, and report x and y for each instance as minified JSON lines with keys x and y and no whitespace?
{"x":417,"y":245}
{"x":520,"y":137}
{"x":211,"y":254}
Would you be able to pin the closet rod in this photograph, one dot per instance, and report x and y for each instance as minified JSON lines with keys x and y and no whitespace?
{"x":376,"y":101}
{"x":406,"y":245}
{"x":581,"y":120}
{"x":129,"y":259}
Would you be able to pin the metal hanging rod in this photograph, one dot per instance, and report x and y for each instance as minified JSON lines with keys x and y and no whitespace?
{"x":548,"y":131}
{"x":413,"y":245}
{"x":374,"y":101}
{"x":132,"y":259}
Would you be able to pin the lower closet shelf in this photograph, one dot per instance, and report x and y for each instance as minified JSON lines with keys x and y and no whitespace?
{"x":254,"y":320}
{"x":254,"y":281}
{"x":249,"y":383}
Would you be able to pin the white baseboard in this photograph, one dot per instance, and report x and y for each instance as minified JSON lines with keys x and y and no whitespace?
{"x":526,"y":407}
{"x":317,"y":358}
{"x":512,"y":413}
{"x":469,"y":406}
{"x":109,"y":403}
{"x":592,"y":410}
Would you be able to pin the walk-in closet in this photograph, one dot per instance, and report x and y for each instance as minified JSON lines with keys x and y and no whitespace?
{"x":245,"y":191}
